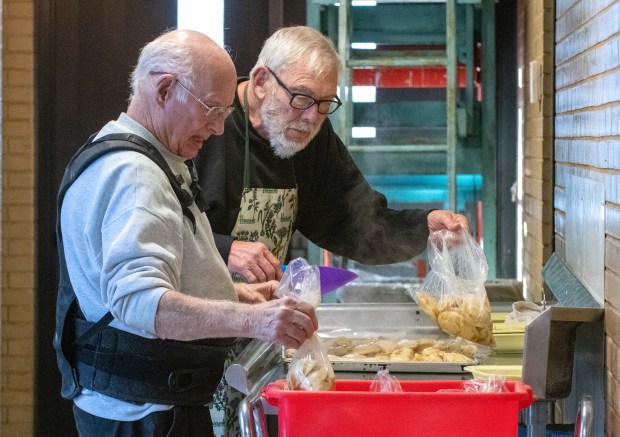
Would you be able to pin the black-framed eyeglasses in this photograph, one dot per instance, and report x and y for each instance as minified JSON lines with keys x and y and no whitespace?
{"x":304,"y":101}
{"x":213,"y":112}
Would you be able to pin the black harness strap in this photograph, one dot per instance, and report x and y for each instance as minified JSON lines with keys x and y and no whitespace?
{"x":93,"y":150}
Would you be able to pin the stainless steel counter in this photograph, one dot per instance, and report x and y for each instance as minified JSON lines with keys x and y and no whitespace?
{"x":364,"y":320}
{"x":396,"y":320}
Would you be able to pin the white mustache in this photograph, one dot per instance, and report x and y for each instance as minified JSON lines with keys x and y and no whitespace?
{"x":304,"y":127}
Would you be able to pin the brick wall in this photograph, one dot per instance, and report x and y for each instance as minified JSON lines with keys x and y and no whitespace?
{"x":587,"y":126}
{"x":537,"y":63}
{"x":18,"y":260}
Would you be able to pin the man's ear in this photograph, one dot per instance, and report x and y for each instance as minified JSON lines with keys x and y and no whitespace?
{"x":164,"y":88}
{"x":259,"y":77}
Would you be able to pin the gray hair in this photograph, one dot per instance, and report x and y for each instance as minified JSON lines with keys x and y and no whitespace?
{"x":162,"y":56}
{"x":290,"y":45}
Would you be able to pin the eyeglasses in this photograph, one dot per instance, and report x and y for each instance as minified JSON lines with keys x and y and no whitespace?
{"x":304,"y":101}
{"x":213,"y":112}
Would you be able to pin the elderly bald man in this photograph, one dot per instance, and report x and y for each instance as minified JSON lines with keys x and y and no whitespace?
{"x":146,"y":306}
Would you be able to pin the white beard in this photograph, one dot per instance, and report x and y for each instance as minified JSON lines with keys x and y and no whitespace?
{"x":275,"y":125}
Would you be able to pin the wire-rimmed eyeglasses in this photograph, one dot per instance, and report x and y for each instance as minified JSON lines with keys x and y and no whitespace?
{"x":212,"y":112}
{"x":304,"y":101}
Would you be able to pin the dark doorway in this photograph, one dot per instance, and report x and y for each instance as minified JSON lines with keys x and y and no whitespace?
{"x":84,"y":52}
{"x":506,"y":64}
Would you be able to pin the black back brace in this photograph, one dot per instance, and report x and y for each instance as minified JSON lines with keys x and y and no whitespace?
{"x":114,"y":362}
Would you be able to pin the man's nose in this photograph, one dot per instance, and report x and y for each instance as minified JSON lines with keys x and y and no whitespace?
{"x":312,"y":114}
{"x":216,"y":126}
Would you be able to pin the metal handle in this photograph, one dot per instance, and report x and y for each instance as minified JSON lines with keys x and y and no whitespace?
{"x":252,"y":422}
{"x":585,"y":417}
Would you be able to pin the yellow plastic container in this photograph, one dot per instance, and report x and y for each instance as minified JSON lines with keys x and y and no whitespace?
{"x":510,"y":373}
{"x":509,"y":337}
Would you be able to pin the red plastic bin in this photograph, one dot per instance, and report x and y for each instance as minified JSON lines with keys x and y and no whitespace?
{"x":353,"y":410}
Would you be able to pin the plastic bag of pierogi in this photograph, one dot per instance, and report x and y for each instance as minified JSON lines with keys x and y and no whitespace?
{"x":453,"y":292}
{"x":310,"y":368}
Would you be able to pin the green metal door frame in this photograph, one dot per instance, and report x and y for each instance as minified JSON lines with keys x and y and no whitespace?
{"x":489,"y":137}
{"x":343,"y":119}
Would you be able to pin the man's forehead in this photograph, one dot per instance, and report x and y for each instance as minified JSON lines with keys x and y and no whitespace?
{"x":305,"y":80}
{"x":305,"y":68}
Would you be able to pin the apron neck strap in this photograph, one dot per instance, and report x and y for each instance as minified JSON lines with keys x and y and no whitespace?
{"x":246,"y":164}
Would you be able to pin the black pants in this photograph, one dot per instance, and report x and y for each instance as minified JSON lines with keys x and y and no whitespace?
{"x":178,"y":422}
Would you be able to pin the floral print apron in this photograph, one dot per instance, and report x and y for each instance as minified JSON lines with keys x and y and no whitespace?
{"x":267,"y":215}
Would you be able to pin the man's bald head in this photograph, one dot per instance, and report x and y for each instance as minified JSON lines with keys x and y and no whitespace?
{"x":182,"y":88}
{"x":187,"y":54}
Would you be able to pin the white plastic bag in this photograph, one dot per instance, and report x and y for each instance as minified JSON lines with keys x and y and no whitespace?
{"x":523,"y":312}
{"x":453,"y":292}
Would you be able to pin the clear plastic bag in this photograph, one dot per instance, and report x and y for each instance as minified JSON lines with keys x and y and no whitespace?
{"x":453,"y":292}
{"x":310,"y":368}
{"x":494,"y":384}
{"x":302,"y":281}
{"x":385,"y":383}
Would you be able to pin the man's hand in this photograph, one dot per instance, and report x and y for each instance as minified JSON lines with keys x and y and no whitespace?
{"x":256,"y":293}
{"x":254,"y":262}
{"x":442,"y":219}
{"x":286,"y":321}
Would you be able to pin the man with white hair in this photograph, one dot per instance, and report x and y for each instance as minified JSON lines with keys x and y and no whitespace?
{"x":146,"y":307}
{"x":279,"y":150}
{"x":280,"y":167}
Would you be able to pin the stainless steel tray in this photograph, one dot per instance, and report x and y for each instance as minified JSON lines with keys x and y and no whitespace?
{"x":390,"y":320}
{"x":398,"y":367}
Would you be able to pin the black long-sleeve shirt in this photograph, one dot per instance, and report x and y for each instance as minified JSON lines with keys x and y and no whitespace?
{"x":338,"y":210}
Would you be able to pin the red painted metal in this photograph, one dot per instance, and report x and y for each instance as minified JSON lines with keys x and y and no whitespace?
{"x":406,"y":77}
{"x":479,"y":223}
